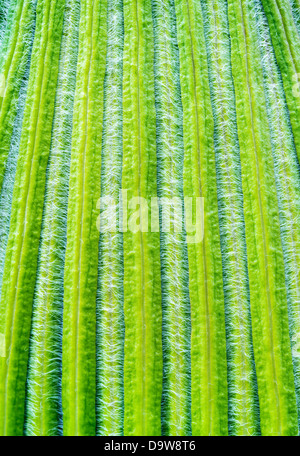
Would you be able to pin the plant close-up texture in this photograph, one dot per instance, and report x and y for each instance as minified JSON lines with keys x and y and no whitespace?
{"x":149,"y":217}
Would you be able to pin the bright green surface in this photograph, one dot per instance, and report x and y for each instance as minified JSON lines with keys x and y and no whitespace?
{"x":44,"y":374}
{"x":27,"y":206}
{"x":80,"y":279}
{"x":141,"y":329}
{"x":286,"y":43}
{"x":208,"y":349}
{"x":264,"y":249}
{"x":287,"y":182}
{"x":142,"y":284}
{"x":13,"y":58}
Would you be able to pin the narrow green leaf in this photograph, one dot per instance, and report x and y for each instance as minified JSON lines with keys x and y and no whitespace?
{"x":208,"y":345}
{"x":80,"y":281}
{"x":13,"y":59}
{"x":27,"y":207}
{"x":264,"y":248}
{"x":142,"y":284}
{"x":286,"y":43}
{"x":288,"y":191}
{"x":43,"y":407}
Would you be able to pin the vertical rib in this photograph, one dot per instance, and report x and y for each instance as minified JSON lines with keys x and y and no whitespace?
{"x":142,"y":284}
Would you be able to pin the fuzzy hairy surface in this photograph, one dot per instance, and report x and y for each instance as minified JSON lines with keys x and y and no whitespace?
{"x":179,"y":314}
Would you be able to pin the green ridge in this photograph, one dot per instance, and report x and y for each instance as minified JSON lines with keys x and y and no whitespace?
{"x":288,"y":185}
{"x":264,"y":249}
{"x":208,"y":343}
{"x":80,"y":284}
{"x":286,"y":43}
{"x":13,"y":59}
{"x":142,"y":285}
{"x":43,"y":408}
{"x":28,"y":198}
